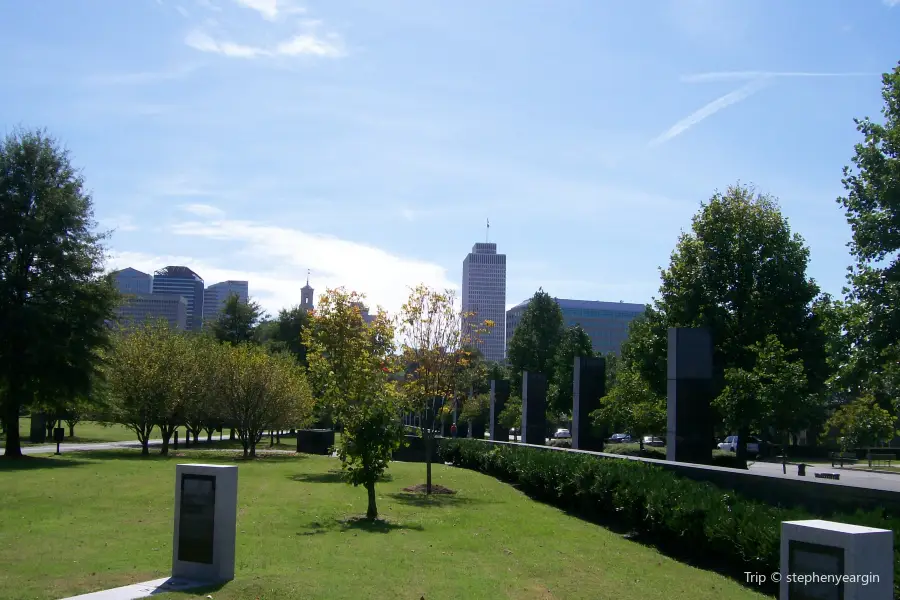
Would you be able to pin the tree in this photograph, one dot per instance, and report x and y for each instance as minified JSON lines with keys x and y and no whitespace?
{"x":536,"y":338}
{"x":574,"y":342}
{"x":872,"y":208}
{"x":435,"y":344}
{"x":742,"y":273}
{"x":260,"y":391}
{"x":631,"y":405}
{"x":770,"y":396}
{"x":53,"y":300}
{"x":285,"y":332}
{"x":350,"y":363}
{"x":237,"y":321}
{"x":511,"y":415}
{"x":476,"y":408}
{"x":862,"y":423}
{"x":201,"y":375}
{"x":133,"y":375}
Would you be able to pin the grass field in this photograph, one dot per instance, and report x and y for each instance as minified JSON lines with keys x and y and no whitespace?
{"x":95,"y":520}
{"x":85,"y":433}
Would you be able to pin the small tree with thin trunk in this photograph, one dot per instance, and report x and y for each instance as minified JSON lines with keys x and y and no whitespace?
{"x":435,"y":342}
{"x":260,"y":390}
{"x":350,"y":363}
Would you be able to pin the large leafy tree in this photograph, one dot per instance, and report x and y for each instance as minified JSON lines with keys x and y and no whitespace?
{"x":574,"y":342}
{"x":741,"y":272}
{"x":237,"y":321}
{"x":350,"y":363}
{"x":54,"y":301}
{"x":872,"y":206}
{"x":536,"y":339}
{"x":862,"y":423}
{"x":260,"y":390}
{"x":436,"y":346}
{"x":285,"y":332}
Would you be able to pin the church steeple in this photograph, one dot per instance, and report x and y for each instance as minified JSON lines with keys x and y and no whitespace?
{"x":306,"y":295}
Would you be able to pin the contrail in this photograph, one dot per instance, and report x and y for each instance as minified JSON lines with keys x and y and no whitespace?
{"x":745,"y":75}
{"x":710,"y":109}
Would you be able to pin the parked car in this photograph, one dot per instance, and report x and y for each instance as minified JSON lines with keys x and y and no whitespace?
{"x":653,"y":441}
{"x":731,"y":443}
{"x":562,"y":434}
{"x":619,"y":438}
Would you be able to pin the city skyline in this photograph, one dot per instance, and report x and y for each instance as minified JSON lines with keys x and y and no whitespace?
{"x":252,"y":144}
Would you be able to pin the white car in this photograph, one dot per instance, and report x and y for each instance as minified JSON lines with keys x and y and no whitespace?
{"x":562,"y":434}
{"x":731,"y":443}
{"x":650,"y":440}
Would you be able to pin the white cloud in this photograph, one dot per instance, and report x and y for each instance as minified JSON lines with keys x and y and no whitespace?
{"x":710,"y":109}
{"x":308,"y":44}
{"x":892,"y":3}
{"x":278,"y":258}
{"x":751,"y":75}
{"x":408,"y":214}
{"x":267,"y":8}
{"x":208,"y":5}
{"x":203,"y":210}
{"x":118,"y":223}
{"x":183,"y":11}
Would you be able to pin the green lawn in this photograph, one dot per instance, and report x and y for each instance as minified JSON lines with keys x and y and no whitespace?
{"x":94,"y":520}
{"x":85,"y":432}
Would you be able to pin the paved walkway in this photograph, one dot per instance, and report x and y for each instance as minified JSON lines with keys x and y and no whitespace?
{"x":51,"y":448}
{"x":852,"y":477}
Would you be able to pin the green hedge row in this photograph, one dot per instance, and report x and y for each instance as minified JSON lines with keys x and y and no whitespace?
{"x":679,"y":515}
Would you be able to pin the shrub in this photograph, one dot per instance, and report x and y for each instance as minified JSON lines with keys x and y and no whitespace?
{"x":677,"y":514}
{"x":563,"y":443}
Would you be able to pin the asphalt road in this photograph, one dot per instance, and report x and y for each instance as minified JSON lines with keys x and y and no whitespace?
{"x":51,"y":448}
{"x":849,"y":476}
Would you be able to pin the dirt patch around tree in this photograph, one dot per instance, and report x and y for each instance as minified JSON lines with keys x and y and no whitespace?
{"x":435,"y":489}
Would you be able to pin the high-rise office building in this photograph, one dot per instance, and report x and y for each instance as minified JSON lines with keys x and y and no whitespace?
{"x":181,"y":281}
{"x":215,"y":296}
{"x":132,"y":281}
{"x":138,"y":309}
{"x":606,"y":323}
{"x":484,"y":294}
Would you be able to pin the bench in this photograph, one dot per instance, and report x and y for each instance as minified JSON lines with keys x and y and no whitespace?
{"x":843,"y":457}
{"x":835,"y":476}
{"x":882,"y":459}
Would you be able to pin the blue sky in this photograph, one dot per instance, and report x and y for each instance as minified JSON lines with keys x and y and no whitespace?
{"x":369,"y":141}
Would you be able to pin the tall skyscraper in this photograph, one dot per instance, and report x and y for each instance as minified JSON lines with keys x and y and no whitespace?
{"x":132,"y":281}
{"x":181,"y":281}
{"x":484,"y":293}
{"x":606,"y":323}
{"x":307,"y":294}
{"x":215,"y":296}
{"x":138,"y":309}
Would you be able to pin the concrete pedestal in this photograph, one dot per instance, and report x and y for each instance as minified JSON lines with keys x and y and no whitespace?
{"x":499,"y":398}
{"x":824,"y":560}
{"x":534,"y":408}
{"x":205,"y":522}
{"x":588,"y":386}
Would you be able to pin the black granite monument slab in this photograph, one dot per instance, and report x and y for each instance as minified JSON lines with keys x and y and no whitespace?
{"x":689,"y":394}
{"x":499,"y":398}
{"x":588,"y":386}
{"x":38,"y":433}
{"x":534,"y":408}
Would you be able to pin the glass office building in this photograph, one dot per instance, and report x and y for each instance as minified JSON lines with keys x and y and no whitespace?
{"x":606,"y":323}
{"x":181,"y":281}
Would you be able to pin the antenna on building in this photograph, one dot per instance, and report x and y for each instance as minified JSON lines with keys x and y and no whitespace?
{"x":487,"y":234}
{"x":307,"y":276}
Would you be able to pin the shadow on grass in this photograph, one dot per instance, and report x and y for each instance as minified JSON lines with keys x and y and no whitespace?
{"x":189,"y":591}
{"x":332,"y":476}
{"x":27,"y":463}
{"x":357,"y":524}
{"x":434,"y":500}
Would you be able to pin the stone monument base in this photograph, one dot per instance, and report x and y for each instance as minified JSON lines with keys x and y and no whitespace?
{"x":142,"y":590}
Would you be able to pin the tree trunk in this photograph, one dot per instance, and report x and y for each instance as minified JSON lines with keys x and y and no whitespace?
{"x":252,"y":449}
{"x":372,"y":509}
{"x":231,"y":434}
{"x":166,"y":434}
{"x":271,"y":438}
{"x":71,"y":430}
{"x":13,"y":442}
{"x":429,"y":440}
{"x":145,"y":448}
{"x":209,"y":435}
